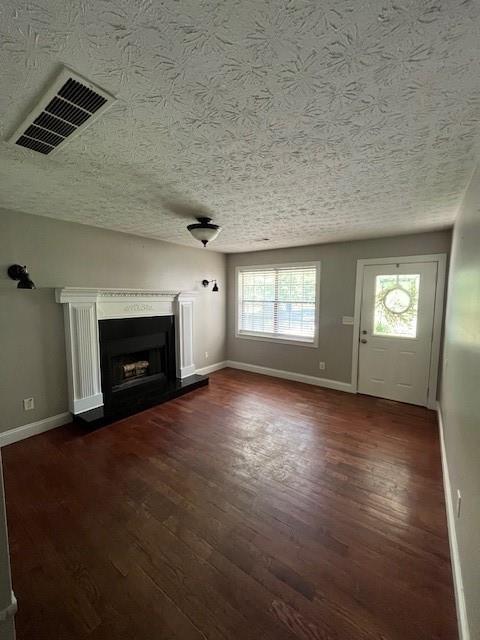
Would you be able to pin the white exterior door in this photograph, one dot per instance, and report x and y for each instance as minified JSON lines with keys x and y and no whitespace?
{"x":396,"y":328}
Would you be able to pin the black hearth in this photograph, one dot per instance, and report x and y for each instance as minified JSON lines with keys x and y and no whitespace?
{"x":138,"y":367}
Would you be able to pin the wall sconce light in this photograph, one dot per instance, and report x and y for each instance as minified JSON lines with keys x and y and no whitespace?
{"x":17,"y":272}
{"x":207,"y":282}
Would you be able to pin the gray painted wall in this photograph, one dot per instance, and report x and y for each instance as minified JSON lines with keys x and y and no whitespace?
{"x":66,"y":254}
{"x":460,"y":392}
{"x":337,"y":298}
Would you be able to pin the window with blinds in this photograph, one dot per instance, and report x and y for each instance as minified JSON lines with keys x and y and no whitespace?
{"x":278,"y":302}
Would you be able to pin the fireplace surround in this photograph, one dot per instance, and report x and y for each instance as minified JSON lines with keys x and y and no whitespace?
{"x":127,"y":349}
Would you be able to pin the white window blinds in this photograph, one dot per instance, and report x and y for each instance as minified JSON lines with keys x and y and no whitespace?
{"x":278,"y":302}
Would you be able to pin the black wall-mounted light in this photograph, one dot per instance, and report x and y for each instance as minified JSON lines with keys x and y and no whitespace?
{"x":207,"y":282}
{"x":17,"y":272}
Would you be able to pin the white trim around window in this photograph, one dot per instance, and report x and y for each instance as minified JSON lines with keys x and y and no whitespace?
{"x":272,"y":337}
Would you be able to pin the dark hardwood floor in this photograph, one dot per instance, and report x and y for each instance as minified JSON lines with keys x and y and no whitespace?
{"x":254,"y":509}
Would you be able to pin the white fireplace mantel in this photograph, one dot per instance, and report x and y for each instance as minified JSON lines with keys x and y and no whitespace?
{"x":84,"y":307}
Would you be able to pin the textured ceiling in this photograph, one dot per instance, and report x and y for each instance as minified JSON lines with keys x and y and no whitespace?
{"x":300,"y":121}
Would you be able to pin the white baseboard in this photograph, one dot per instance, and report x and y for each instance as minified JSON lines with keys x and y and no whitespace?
{"x":184,"y":372}
{"x":85,"y":404}
{"x":211,"y":368}
{"x":34,"y":428}
{"x":291,"y":375}
{"x":463,"y":630}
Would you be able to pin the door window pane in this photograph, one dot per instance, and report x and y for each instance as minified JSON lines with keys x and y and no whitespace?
{"x":396,"y":305}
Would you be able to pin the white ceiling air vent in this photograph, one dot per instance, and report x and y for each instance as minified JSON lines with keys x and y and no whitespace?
{"x":69,"y":106}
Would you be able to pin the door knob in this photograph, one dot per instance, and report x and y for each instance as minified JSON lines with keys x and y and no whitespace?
{"x":363,"y":341}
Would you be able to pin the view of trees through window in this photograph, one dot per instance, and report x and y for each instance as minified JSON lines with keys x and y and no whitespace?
{"x":278,"y":301}
{"x":396,"y":305}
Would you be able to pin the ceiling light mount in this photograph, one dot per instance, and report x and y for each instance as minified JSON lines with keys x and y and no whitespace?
{"x":204,"y":230}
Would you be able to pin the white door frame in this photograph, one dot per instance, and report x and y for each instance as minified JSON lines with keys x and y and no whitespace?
{"x":441,"y":260}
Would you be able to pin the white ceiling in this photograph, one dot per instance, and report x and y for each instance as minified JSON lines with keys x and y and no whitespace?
{"x":301,"y":121}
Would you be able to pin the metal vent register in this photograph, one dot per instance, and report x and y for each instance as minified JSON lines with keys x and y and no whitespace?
{"x":69,"y":106}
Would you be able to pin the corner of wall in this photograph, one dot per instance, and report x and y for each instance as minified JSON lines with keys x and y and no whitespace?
{"x":462,"y":618}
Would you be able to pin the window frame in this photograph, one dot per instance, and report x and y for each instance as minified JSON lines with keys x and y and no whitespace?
{"x":281,"y":338}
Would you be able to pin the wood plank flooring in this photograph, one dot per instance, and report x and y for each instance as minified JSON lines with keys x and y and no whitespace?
{"x":255,"y":508}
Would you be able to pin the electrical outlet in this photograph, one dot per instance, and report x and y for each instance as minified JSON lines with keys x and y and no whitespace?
{"x":28,"y":404}
{"x":206,"y":355}
{"x":322,"y":366}
{"x":459,"y":503}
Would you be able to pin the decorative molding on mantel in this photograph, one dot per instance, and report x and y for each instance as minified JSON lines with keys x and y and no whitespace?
{"x":84,"y":307}
{"x":75,"y":294}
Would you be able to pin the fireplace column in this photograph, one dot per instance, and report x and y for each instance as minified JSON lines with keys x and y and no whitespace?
{"x":83,"y":356}
{"x":184,"y":328}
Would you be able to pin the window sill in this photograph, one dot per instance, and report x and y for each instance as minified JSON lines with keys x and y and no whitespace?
{"x":263,"y":338}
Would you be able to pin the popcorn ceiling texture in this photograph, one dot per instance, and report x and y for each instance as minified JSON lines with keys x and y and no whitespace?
{"x":299,"y":121}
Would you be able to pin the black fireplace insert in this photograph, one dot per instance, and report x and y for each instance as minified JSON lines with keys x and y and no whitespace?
{"x":137,"y":360}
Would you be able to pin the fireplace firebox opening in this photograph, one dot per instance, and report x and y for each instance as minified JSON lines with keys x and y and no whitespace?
{"x":137,"y":359}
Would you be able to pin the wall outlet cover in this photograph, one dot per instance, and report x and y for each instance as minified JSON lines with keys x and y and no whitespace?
{"x":28,"y":404}
{"x":322,"y":366}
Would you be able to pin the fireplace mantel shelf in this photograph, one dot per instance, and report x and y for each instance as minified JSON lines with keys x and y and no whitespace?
{"x":76,"y":294}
